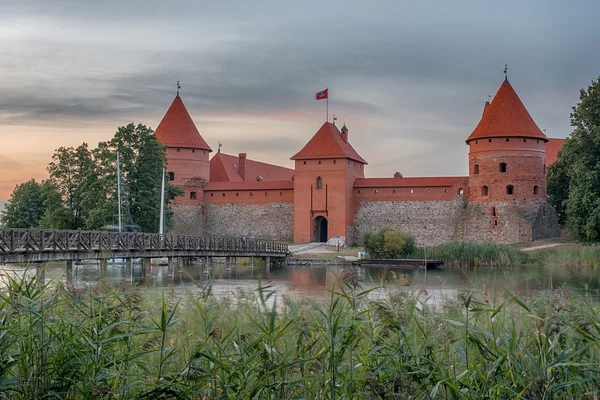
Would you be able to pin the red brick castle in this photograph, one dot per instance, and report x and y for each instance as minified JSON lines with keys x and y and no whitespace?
{"x":503,"y":199}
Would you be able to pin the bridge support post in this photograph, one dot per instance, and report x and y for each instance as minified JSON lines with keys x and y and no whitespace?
{"x":252,"y":262}
{"x":268,"y":264}
{"x":69,"y":272}
{"x":41,"y":274}
{"x":146,"y":270}
{"x":208,"y":265}
{"x":170,"y":267}
{"x":129,"y":268}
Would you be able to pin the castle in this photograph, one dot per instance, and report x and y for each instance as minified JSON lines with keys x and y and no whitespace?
{"x":503,"y":198}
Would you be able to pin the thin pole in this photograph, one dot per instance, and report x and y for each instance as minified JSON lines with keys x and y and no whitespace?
{"x":327,"y":116}
{"x":119,"y":187}
{"x":161,"y":228}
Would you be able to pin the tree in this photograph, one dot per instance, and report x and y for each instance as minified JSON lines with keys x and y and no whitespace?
{"x":55,"y":215}
{"x":25,"y":207}
{"x":388,"y":243}
{"x":574,"y":182}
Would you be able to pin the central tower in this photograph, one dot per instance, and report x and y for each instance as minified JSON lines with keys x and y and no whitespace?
{"x":325,"y":171}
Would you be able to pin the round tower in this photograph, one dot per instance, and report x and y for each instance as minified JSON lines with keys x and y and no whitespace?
{"x":506,"y":152}
{"x":187,"y":152}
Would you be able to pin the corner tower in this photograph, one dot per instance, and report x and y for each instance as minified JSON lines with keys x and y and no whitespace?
{"x":325,"y":171}
{"x":187,"y":152}
{"x":506,"y":152}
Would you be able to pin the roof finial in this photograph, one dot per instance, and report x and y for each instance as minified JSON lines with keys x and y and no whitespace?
{"x":220,"y":144}
{"x":489,"y":98}
{"x":178,"y":87}
{"x":506,"y":72}
{"x":334,"y":119}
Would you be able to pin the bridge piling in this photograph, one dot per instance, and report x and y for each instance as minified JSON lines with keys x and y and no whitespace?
{"x":268,"y":264}
{"x":170,"y":267}
{"x":69,"y":272}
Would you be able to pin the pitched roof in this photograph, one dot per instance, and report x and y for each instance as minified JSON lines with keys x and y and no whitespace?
{"x":250,"y":185}
{"x":224,"y":168}
{"x":506,"y":116}
{"x":178,"y":130}
{"x":433,"y":181}
{"x":328,"y":143}
{"x":552,"y":148}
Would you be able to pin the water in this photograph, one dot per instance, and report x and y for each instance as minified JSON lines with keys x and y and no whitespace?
{"x":315,"y":282}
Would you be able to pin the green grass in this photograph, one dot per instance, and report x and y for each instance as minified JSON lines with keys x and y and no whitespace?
{"x":473,"y":254}
{"x":568,"y":256}
{"x":109,"y":343}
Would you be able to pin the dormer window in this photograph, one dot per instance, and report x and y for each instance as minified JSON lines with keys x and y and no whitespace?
{"x":319,"y":183}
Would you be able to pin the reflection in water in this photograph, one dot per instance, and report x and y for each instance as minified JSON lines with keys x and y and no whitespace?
{"x":314,"y":282}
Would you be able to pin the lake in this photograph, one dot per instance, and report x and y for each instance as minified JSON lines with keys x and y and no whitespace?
{"x":434,"y":286}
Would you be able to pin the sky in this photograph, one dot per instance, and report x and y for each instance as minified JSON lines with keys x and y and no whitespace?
{"x":409,"y":79}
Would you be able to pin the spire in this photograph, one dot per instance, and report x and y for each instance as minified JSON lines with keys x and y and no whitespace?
{"x":505,"y":72}
{"x":506,"y":116}
{"x":178,"y":87}
{"x":177,"y":129}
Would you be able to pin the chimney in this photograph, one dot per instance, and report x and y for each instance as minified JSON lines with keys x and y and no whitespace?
{"x":345,"y":133}
{"x":242,"y":165}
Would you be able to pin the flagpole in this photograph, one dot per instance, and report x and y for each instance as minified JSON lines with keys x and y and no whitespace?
{"x":327,"y":119}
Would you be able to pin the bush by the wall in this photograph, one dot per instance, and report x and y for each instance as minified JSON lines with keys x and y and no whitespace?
{"x":388,"y":243}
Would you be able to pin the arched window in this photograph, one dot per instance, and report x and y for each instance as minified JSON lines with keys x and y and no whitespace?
{"x":319,"y":183}
{"x":503,"y":167}
{"x":536,"y":190}
{"x":171,"y":176}
{"x":484,"y":190}
{"x":460,"y":191}
{"x":476,"y":169}
{"x":510,"y":190}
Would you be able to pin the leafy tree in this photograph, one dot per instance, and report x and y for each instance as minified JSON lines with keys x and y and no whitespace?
{"x":388,"y":243}
{"x":55,"y":214}
{"x":574,"y":182}
{"x":25,"y":207}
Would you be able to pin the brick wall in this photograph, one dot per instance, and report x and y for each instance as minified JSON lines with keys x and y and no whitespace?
{"x":272,"y":221}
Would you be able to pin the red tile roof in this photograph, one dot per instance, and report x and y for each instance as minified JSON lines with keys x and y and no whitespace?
{"x":328,"y":143}
{"x":552,"y":148}
{"x":250,"y":185}
{"x":506,"y":116}
{"x":435,"y":181}
{"x":178,"y":130}
{"x":224,"y":168}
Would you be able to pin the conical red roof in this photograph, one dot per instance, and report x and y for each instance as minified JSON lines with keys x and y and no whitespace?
{"x":328,"y":143}
{"x":506,"y":116}
{"x":178,"y":130}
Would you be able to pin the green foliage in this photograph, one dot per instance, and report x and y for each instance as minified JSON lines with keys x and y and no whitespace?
{"x":82,"y":189}
{"x":25,"y":206}
{"x":104,"y":343}
{"x":472,"y":254}
{"x":574,"y":182}
{"x":388,"y":243}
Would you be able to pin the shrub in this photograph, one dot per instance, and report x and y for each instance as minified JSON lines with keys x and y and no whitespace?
{"x":388,"y":243}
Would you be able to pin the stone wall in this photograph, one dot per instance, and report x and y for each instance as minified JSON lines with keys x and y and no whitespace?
{"x":435,"y":222}
{"x":272,"y":221}
{"x":188,"y":220}
{"x":431,"y":222}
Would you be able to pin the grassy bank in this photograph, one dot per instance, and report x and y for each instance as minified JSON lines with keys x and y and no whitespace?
{"x":110,"y":343}
{"x":567,"y":256}
{"x":473,"y":254}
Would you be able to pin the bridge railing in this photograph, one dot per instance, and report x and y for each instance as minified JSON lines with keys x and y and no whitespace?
{"x":41,"y":240}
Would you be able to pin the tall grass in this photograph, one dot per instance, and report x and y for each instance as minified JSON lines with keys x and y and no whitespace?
{"x":568,"y":256}
{"x":109,"y":343}
{"x":473,"y":254}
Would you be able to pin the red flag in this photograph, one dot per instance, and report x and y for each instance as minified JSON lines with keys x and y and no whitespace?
{"x":323,"y":94}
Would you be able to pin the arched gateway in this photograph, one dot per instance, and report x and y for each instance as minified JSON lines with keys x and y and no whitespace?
{"x":320,"y":230}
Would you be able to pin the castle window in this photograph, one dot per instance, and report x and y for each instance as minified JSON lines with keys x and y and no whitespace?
{"x":376,"y":190}
{"x":171,"y":176}
{"x":538,"y":140}
{"x":203,"y":151}
{"x":237,"y":194}
{"x":493,"y":211}
{"x":507,"y":139}
{"x":281,"y":193}
{"x":484,"y":190}
{"x":510,"y":190}
{"x":251,"y":194}
{"x":192,"y":195}
{"x":212,"y":194}
{"x":265,"y":193}
{"x":460,"y":191}
{"x":393,"y":191}
{"x":490,"y":140}
{"x":223,"y":194}
{"x":446,"y":190}
{"x":358,"y":191}
{"x":304,"y":162}
{"x":503,"y":167}
{"x":193,"y":150}
{"x":171,"y":196}
{"x":495,"y":222}
{"x":476,"y":169}
{"x":524,"y":140}
{"x":428,"y":190}
{"x":477,"y":141}
{"x":178,"y":149}
{"x":319,"y":183}
{"x":319,"y":162}
{"x":412,"y":190}
{"x":335,"y":161}
{"x":536,"y":190}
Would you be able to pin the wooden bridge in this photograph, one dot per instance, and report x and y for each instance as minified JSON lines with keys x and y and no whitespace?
{"x":39,"y":245}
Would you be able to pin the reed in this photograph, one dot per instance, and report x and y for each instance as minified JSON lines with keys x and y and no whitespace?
{"x":106,"y":342}
{"x":473,"y":254}
{"x":569,"y":256}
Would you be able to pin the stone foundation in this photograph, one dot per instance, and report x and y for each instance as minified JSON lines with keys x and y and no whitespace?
{"x":188,"y":221}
